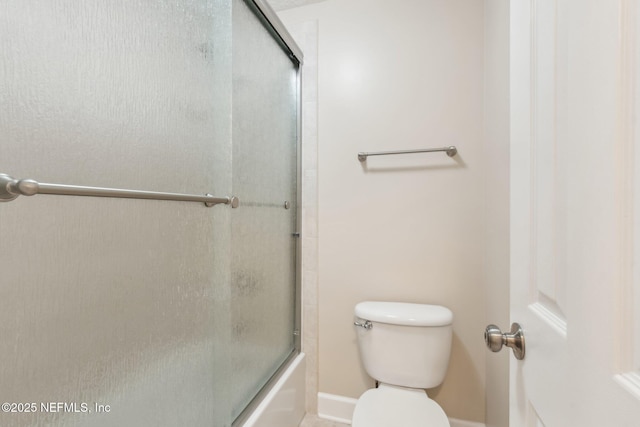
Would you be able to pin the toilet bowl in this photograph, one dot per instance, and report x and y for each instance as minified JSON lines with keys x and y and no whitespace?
{"x":406,"y":347}
{"x":392,"y":406}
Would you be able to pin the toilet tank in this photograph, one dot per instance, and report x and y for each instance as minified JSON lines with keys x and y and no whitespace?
{"x":408,"y":345}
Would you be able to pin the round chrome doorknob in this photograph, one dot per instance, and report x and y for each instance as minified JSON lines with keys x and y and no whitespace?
{"x":495,"y":339}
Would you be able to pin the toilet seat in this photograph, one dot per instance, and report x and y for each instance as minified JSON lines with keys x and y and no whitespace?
{"x":392,"y":406}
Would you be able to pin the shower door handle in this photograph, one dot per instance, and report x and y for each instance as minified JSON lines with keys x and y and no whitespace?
{"x":495,"y":339}
{"x":11,"y":188}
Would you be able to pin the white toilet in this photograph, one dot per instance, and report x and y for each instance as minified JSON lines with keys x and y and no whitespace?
{"x":406,"y":348}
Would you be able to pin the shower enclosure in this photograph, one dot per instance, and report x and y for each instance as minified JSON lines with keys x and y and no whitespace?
{"x":119,"y":311}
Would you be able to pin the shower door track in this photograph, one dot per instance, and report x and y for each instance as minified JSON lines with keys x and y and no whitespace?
{"x":275,"y":25}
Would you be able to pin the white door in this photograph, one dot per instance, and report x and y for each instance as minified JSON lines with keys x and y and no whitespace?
{"x":575,"y":212}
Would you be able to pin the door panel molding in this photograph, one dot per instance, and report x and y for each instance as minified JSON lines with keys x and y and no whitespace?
{"x":547,"y":287}
{"x":628,"y":184}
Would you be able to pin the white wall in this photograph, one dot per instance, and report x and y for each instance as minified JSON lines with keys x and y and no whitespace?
{"x":400,"y":75}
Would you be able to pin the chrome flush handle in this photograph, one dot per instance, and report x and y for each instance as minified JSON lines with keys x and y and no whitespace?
{"x":367,"y":324}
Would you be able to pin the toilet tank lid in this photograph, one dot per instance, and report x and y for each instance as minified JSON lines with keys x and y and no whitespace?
{"x":404,"y":313}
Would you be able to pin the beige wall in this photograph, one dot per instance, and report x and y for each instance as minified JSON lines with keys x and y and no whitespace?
{"x":400,"y":75}
{"x":496,"y":160}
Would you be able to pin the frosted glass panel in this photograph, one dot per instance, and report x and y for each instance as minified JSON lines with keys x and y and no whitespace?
{"x":108,"y":301}
{"x":169,"y":313}
{"x":264,"y":178}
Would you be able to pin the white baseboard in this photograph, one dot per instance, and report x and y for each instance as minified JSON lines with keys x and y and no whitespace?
{"x":340,"y":409}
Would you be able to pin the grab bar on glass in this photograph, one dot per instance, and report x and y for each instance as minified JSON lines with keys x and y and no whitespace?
{"x":11,"y":188}
{"x":451,"y":151}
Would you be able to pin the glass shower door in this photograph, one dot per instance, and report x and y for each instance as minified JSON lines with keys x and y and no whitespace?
{"x":169,"y":313}
{"x":264,"y":175}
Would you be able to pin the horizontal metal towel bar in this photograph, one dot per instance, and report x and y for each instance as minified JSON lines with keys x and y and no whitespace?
{"x":11,"y":188}
{"x":451,"y":151}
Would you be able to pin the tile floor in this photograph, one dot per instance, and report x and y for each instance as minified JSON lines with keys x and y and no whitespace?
{"x":313,"y":421}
